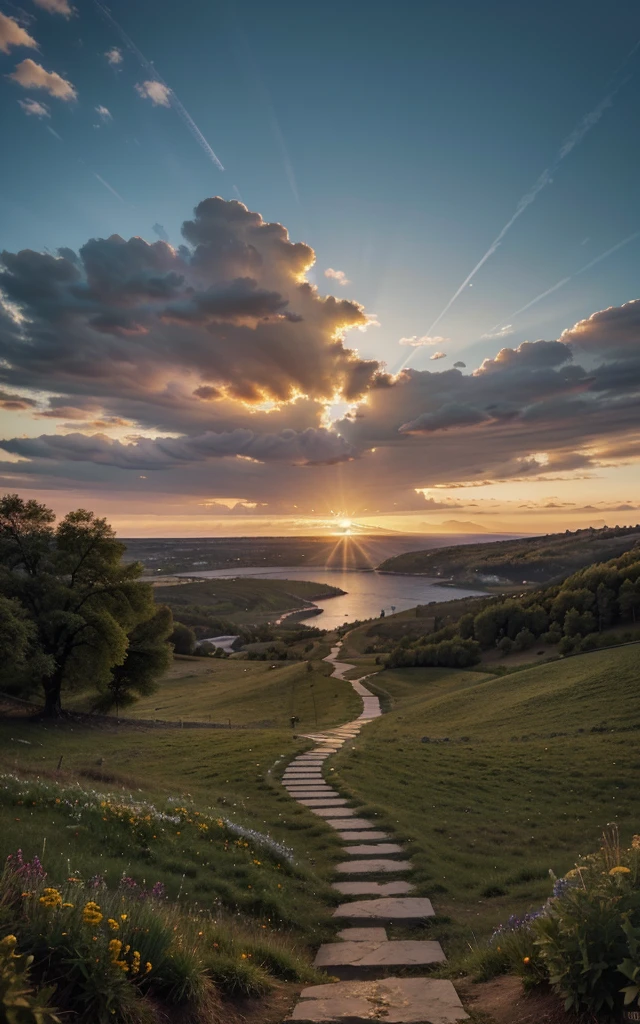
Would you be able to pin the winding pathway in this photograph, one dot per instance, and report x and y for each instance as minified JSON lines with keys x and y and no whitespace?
{"x":364,"y":958}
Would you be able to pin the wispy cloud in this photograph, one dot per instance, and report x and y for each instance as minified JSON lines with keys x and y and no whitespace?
{"x":337,"y":275}
{"x":103,"y":113}
{"x":157,"y":92}
{"x":30,"y":75}
{"x":498,"y":332}
{"x":438,"y":355}
{"x":415,"y":342}
{"x":55,"y":7}
{"x":34,"y":109}
{"x":114,"y":56}
{"x":54,"y":133}
{"x":156,"y":77}
{"x":13,"y":34}
{"x":109,"y":187}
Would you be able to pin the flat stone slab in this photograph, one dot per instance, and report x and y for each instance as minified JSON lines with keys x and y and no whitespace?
{"x":355,"y":823}
{"x":374,"y":850}
{"x":397,"y":888}
{"x":401,"y":910}
{"x":307,"y":794}
{"x":337,"y":812}
{"x":352,"y":959}
{"x":373,"y":866}
{"x":373,"y":836}
{"x":391,"y":1001}
{"x":362,"y":935}
{"x":323,"y":801}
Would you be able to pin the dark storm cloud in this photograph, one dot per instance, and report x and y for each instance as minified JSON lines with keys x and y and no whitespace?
{"x":124,"y":320}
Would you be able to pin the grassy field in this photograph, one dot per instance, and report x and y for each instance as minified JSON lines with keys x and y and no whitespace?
{"x":247,"y":693}
{"x":519,"y":775}
{"x":244,"y":600}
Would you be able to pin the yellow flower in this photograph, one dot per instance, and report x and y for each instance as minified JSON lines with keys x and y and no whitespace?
{"x":135,"y":962}
{"x":526,"y":959}
{"x":114,"y":948}
{"x":8,"y":944}
{"x":244,"y":956}
{"x":68,"y":904}
{"x":123,"y":917}
{"x":50,"y":898}
{"x":114,"y":926}
{"x":147,"y":967}
{"x":91,"y":913}
{"x":620,"y":870}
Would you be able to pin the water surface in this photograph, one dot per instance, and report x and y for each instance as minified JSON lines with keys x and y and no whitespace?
{"x":367,"y":593}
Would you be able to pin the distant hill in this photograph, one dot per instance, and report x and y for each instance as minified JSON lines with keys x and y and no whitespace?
{"x":454,"y":526}
{"x":528,"y":559}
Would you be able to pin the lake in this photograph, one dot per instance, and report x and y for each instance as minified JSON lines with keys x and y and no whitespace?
{"x":367,"y":593}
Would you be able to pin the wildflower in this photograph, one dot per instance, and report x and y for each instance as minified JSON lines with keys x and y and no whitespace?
{"x":114,"y":948}
{"x":244,"y":956}
{"x":526,"y":959}
{"x":68,"y":905}
{"x":50,"y":898}
{"x":135,"y":962}
{"x":91,"y":913}
{"x":123,"y":917}
{"x":620,"y":870}
{"x":8,"y":944}
{"x":114,"y":926}
{"x":148,"y":967}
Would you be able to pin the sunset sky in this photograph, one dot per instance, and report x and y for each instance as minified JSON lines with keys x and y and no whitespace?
{"x":274,"y":268}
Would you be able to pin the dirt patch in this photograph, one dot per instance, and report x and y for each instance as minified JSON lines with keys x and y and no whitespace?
{"x":502,"y":1001}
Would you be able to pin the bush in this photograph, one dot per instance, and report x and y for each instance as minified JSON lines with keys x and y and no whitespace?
{"x":18,"y":1003}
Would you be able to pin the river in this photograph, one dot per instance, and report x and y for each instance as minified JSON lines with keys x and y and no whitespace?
{"x":367,"y":593}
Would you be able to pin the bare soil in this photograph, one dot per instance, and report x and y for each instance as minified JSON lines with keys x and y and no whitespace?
{"x":502,"y":1001}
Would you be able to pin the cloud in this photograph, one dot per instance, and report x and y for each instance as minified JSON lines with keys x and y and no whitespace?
{"x":157,"y":92}
{"x":160,"y":231}
{"x":108,"y":187}
{"x":459,"y":365}
{"x":13,"y":34}
{"x":34,"y":109}
{"x":103,"y":113}
{"x":438,"y":355}
{"x":30,"y":75}
{"x":15,"y":402}
{"x":114,"y":56}
{"x":55,"y":7}
{"x":142,"y":325}
{"x":416,"y":342}
{"x":337,"y":275}
{"x":54,"y":133}
{"x":614,"y":331}
{"x":502,"y":332}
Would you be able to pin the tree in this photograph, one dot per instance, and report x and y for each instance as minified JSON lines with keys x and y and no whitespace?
{"x":465,"y":626}
{"x":183,"y":638}
{"x":629,"y":599}
{"x":505,"y":646}
{"x":486,"y":626}
{"x":18,"y":648}
{"x":524,"y":639}
{"x":82,"y":601}
{"x":606,"y":605}
{"x":148,"y":656}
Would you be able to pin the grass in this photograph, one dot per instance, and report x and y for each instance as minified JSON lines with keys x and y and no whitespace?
{"x":247,"y":693}
{"x":519,"y":775}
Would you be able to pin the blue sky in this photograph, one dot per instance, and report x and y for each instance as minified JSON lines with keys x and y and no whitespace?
{"x":396,"y":140}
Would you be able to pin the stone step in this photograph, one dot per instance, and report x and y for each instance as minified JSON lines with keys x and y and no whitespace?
{"x":374,"y":850}
{"x":392,"y":1001}
{"x":323,"y":801}
{"x":381,"y":889}
{"x":390,"y":909}
{"x":308,"y":794}
{"x":337,"y":812}
{"x":362,"y":935}
{"x":372,"y":866}
{"x":355,"y":823}
{"x":372,"y":836}
{"x":350,"y":960}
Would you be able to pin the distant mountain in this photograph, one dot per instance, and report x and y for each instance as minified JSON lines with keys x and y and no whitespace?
{"x":454,"y":526}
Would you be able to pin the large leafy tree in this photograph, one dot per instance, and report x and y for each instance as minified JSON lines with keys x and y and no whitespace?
{"x":84,"y":606}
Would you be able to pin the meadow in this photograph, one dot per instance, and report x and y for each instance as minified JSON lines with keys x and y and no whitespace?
{"x":496,"y":781}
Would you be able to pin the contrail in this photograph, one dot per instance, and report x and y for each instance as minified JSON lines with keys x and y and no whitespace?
{"x":150,"y":69}
{"x":572,"y":140}
{"x":107,"y":185}
{"x":565,"y":280}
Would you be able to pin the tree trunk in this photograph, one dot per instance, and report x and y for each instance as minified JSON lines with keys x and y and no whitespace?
{"x":52,"y":687}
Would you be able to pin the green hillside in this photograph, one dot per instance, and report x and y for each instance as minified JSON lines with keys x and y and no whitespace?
{"x":529,"y":559}
{"x":497,"y":780}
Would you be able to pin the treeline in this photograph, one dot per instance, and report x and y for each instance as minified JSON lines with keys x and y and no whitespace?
{"x":571,"y":615}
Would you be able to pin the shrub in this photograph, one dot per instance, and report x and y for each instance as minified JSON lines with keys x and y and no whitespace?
{"x":18,"y":1003}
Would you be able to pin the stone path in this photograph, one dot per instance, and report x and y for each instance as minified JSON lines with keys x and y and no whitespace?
{"x":363,"y":950}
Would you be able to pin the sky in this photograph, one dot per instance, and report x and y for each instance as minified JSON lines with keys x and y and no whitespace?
{"x":278,"y":268}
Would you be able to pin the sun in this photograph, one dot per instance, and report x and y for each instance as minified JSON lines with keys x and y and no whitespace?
{"x":345,"y":525}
